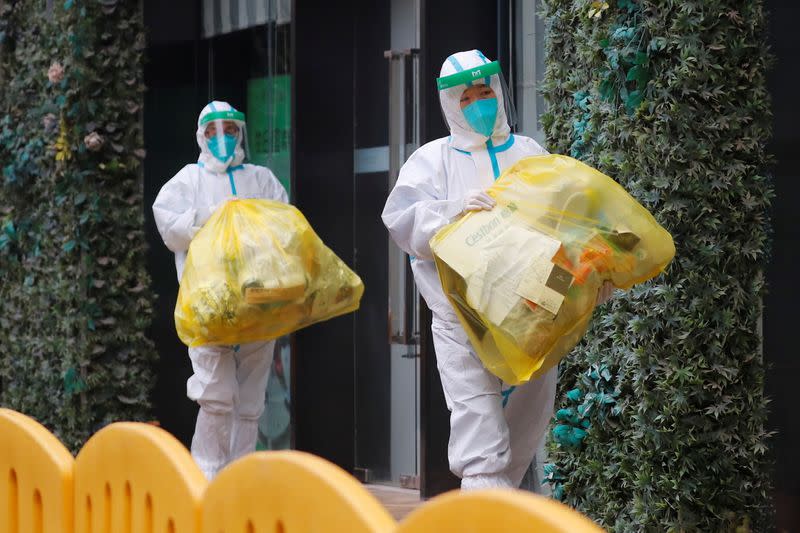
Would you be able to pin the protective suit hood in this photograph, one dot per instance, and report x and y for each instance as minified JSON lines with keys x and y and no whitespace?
{"x":206,"y":158}
{"x":462,"y":135}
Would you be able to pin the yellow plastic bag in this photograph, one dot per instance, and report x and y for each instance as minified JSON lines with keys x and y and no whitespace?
{"x":257,"y":271}
{"x":523,"y":278}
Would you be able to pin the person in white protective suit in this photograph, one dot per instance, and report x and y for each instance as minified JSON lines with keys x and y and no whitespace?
{"x":495,"y":429}
{"x":229,"y":382}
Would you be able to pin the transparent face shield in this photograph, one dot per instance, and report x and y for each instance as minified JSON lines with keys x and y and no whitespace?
{"x":226,"y":135}
{"x":477,"y":99}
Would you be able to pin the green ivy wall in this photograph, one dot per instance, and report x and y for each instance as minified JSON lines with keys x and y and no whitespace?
{"x":74,"y":300}
{"x":661,"y":411}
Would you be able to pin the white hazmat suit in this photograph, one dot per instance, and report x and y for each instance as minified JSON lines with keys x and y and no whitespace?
{"x":494,"y":429}
{"x":229,"y":382}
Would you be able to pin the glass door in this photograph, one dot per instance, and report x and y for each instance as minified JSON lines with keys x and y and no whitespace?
{"x":249,"y":66}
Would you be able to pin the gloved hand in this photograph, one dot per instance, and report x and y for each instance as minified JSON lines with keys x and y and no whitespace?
{"x":205,"y":212}
{"x":477,"y":200}
{"x":605,"y":292}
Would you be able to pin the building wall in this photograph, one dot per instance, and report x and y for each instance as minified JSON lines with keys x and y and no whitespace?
{"x":324,"y":371}
{"x":780,"y":313}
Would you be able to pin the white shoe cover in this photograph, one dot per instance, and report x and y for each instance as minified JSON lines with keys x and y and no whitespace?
{"x":211,"y":441}
{"x":243,"y":439}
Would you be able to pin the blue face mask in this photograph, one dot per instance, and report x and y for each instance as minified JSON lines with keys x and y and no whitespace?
{"x":223,"y":153}
{"x":481,"y":115}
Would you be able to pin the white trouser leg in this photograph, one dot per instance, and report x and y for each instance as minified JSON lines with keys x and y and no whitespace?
{"x":253,"y":363}
{"x":479,"y":450}
{"x":486,"y":481}
{"x":528,"y":413}
{"x":213,"y":386}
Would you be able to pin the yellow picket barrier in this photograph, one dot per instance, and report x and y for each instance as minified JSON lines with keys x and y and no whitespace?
{"x":495,"y":510}
{"x":35,"y":478}
{"x":136,"y":477}
{"x":290,"y":492}
{"x":131,"y":477}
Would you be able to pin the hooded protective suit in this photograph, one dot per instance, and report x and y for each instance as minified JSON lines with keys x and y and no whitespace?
{"x":229,"y":382}
{"x":494,"y":429}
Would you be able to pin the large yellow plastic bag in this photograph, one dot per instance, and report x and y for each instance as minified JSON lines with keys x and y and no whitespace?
{"x":523,"y":277}
{"x":257,"y":271}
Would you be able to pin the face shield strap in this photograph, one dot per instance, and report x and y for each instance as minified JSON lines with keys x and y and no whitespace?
{"x":456,"y":65}
{"x":488,"y":80}
{"x":480,"y":54}
{"x":467,"y":77}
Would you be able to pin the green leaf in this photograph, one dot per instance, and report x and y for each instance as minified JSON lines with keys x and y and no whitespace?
{"x":575,"y":395}
{"x":657,"y":43}
{"x":10,"y":230}
{"x":9,"y":173}
{"x":73,"y":383}
{"x":633,"y":101}
{"x":613,"y":58}
{"x":640,"y":75}
{"x":623,"y":34}
{"x":607,"y":90}
{"x":69,"y":245}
